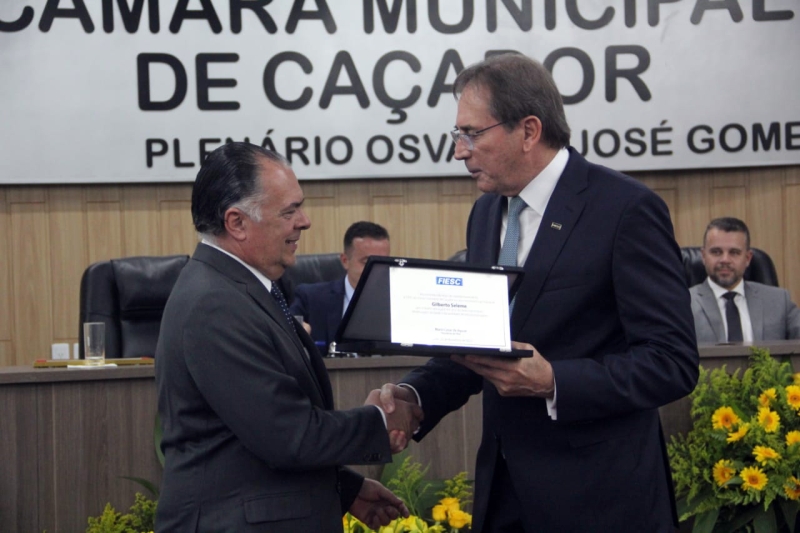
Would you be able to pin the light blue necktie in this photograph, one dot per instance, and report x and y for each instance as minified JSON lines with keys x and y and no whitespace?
{"x":508,"y":254}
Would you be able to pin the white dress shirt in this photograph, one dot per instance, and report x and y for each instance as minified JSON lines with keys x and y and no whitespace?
{"x":259,"y":276}
{"x":536,"y":195}
{"x":741,"y":303}
{"x":348,"y":294}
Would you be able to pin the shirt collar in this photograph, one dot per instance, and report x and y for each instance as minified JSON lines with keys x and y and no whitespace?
{"x":348,"y":289}
{"x":538,"y":191}
{"x":261,"y":277}
{"x":719,"y":291}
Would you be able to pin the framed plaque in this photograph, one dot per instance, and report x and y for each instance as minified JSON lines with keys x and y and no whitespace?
{"x":405,"y":306}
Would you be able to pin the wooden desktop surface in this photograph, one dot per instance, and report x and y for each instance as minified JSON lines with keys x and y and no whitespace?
{"x":69,"y":434}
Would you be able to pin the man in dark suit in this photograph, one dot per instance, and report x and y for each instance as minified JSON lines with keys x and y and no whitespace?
{"x":758,"y":312}
{"x":323,"y":304}
{"x":251,"y":440}
{"x":571,"y":436}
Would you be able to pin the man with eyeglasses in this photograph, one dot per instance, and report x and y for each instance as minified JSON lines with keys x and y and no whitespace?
{"x":571,"y":437}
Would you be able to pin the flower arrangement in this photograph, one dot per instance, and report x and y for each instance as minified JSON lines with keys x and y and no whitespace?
{"x":407,"y":480}
{"x":139,"y":519}
{"x":738,"y":469}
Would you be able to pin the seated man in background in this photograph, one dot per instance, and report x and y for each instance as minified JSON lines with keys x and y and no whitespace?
{"x":323,"y":304}
{"x":728,"y":309}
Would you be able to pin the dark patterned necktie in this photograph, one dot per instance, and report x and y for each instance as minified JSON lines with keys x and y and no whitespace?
{"x":278,"y":295}
{"x":732,"y":318}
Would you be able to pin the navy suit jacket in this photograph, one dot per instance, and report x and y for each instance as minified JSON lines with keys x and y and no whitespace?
{"x":605,"y":301}
{"x":251,"y":439}
{"x":321,"y":305}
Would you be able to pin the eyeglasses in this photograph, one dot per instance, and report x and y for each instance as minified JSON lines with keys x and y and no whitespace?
{"x":469,"y":138}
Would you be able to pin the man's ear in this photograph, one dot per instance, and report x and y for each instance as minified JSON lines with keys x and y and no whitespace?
{"x":344,"y":259}
{"x":236,"y":223}
{"x":531,"y":130}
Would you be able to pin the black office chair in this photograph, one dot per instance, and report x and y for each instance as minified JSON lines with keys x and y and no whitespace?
{"x":459,"y":257}
{"x":311,"y":268}
{"x":761,"y":269}
{"x":129,"y":296}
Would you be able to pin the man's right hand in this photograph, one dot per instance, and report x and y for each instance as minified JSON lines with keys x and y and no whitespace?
{"x":402,"y":420}
{"x":391,"y":394}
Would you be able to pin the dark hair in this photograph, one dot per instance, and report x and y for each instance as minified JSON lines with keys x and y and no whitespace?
{"x":729,"y":224}
{"x":364,"y":229}
{"x":518,"y":87}
{"x":229,"y":178}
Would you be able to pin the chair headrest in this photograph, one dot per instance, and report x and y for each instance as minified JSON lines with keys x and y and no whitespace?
{"x":144,"y":283}
{"x":311,"y":268}
{"x":129,"y":296}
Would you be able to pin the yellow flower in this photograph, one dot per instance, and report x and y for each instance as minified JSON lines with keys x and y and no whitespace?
{"x":724,"y":418}
{"x":451,"y":504}
{"x":770,"y":420}
{"x":796,"y":378}
{"x":764,"y":454}
{"x":793,"y":437}
{"x":459,"y":519}
{"x":723,"y":471}
{"x":793,"y":396}
{"x":412,"y":524}
{"x":792,"y":488}
{"x":753,"y":478}
{"x":439,"y":513}
{"x":767,"y":397}
{"x":739,"y":433}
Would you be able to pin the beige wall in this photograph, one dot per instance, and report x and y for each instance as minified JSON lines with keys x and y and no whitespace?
{"x":49,"y":234}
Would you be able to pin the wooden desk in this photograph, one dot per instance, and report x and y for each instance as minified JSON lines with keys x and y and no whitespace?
{"x":67,"y":435}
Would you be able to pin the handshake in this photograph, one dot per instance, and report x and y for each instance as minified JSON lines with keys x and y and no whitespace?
{"x":403,"y":413}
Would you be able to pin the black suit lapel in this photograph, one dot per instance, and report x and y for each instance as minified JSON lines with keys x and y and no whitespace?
{"x":256,"y":290}
{"x":562,"y":213}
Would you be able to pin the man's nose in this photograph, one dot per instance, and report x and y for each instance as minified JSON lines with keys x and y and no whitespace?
{"x":461,"y":151}
{"x":303,"y":222}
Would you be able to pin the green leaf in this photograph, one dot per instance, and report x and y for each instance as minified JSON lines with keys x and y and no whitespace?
{"x":742,"y":520}
{"x":765,"y":521}
{"x":704,"y":522}
{"x":144,"y":483}
{"x":157,"y":433}
{"x":390,"y":469}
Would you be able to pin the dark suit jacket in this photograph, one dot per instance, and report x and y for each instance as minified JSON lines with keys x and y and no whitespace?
{"x":251,"y":440}
{"x":321,"y":306}
{"x":605,"y":301}
{"x":773,"y":315}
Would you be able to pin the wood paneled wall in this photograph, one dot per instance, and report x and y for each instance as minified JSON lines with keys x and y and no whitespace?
{"x":50,"y":234}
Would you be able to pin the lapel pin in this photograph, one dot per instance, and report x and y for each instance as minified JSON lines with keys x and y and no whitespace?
{"x":555,"y":225}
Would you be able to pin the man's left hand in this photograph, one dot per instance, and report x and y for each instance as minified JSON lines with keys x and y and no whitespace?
{"x":526,"y":376}
{"x":376,"y":505}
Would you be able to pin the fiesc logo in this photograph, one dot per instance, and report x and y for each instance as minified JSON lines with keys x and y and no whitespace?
{"x":458,"y":282}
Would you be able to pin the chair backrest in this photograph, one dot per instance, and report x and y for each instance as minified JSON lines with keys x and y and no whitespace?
{"x":311,"y":268}
{"x":761,"y":269}
{"x":129,"y":295}
{"x":459,"y":257}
